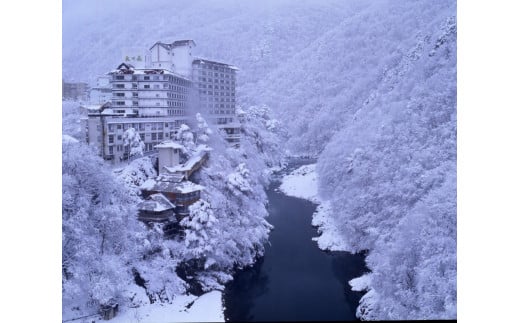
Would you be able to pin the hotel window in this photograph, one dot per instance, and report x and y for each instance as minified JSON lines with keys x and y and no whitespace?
{"x":111,"y":150}
{"x":134,"y":94}
{"x":110,"y":139}
{"x":119,"y":127}
{"x":154,"y":136}
{"x":146,"y":78}
{"x":120,"y":94}
{"x":120,"y":77}
{"x":160,"y":136}
{"x":120,"y":86}
{"x":147,"y":86}
{"x":110,"y":127}
{"x":134,"y":85}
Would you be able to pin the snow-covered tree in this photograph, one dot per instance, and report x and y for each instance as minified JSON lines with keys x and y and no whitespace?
{"x":203,"y":130}
{"x":99,"y":229}
{"x":201,"y":234}
{"x":132,"y":139}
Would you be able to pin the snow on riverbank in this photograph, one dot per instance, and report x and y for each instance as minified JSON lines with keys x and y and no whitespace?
{"x":303,"y":183}
{"x":184,"y":308}
{"x":206,"y":308}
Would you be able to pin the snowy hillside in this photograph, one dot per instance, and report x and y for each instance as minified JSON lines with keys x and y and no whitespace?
{"x":369,"y":87}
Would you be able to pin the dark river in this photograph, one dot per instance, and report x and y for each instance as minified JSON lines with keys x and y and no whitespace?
{"x":294,"y":281}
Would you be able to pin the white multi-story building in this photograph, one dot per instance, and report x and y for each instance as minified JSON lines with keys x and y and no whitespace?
{"x":157,"y":99}
{"x":216,"y":86}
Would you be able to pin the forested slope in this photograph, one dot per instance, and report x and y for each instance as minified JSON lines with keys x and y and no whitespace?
{"x":367,"y":87}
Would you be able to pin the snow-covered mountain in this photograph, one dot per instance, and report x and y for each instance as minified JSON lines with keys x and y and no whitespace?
{"x":367,"y":86}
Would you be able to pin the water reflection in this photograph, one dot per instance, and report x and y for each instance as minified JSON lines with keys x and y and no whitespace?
{"x":250,"y":284}
{"x":294,"y":281}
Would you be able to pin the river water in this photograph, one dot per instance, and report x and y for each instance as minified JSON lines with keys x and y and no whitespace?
{"x":295,"y":280}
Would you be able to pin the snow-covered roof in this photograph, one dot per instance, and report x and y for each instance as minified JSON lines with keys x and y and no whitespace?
{"x":164,"y":183}
{"x":156,"y":203}
{"x":147,"y":71}
{"x":188,"y":187}
{"x":169,"y":144}
{"x":148,"y":184}
{"x":183,"y":42}
{"x":176,"y":43}
{"x":95,"y":107}
{"x":159,"y":43}
{"x":199,"y":60}
{"x":68,"y":139}
{"x":199,"y":154}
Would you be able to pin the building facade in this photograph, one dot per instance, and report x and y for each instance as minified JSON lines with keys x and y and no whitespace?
{"x":157,"y":99}
{"x":216,"y":84}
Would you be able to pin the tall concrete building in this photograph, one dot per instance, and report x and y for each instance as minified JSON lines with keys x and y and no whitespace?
{"x":157,"y":99}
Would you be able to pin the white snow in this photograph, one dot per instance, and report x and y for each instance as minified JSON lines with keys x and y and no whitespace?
{"x":188,"y":187}
{"x":69,"y":139}
{"x":170,"y":144}
{"x":330,"y":237}
{"x":206,"y":308}
{"x":302,"y":183}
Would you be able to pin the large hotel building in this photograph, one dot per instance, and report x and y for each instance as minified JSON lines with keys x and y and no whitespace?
{"x":156,"y":93}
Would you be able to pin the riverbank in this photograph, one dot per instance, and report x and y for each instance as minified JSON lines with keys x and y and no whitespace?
{"x":184,"y":308}
{"x":303,"y":183}
{"x":294,"y":280}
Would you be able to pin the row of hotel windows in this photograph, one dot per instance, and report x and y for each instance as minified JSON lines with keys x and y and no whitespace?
{"x":142,"y":126}
{"x":217,"y":105}
{"x":224,"y":120}
{"x":170,"y":78}
{"x":144,"y":136}
{"x":136,"y":95}
{"x":222,"y":99}
{"x":210,"y":86}
{"x":227,"y":75}
{"x":210,"y":80}
{"x":147,"y":147}
{"x":220,"y":112}
{"x":168,"y":103}
{"x":165,"y":86}
{"x":215,"y":67}
{"x":217,"y":93}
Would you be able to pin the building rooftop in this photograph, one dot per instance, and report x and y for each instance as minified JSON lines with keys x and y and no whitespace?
{"x":141,"y":71}
{"x":169,"y":144}
{"x":156,"y":203}
{"x":166,"y":183}
{"x":199,"y":60}
{"x":199,"y":154}
{"x":176,"y":43}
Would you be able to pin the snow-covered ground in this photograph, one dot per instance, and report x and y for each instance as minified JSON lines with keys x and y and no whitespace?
{"x":303,"y":183}
{"x":184,"y":308}
{"x":206,"y":308}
